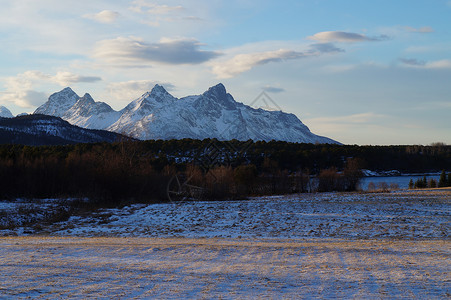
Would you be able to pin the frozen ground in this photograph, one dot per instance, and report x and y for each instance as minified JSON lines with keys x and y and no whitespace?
{"x":384,"y":245}
{"x":177,"y":268}
{"x":401,"y":215}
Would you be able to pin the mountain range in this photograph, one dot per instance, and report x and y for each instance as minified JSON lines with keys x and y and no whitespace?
{"x":159,"y":115}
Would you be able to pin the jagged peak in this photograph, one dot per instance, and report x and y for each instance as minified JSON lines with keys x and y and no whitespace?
{"x":66,"y":93}
{"x":218,"y":94}
{"x":86,"y":98}
{"x":218,"y":91}
{"x":158,"y":89}
{"x":66,"y":90}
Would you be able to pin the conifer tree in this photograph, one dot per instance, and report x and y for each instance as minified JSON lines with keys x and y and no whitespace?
{"x":432,"y":183}
{"x":411,"y":184}
{"x":442,"y":181}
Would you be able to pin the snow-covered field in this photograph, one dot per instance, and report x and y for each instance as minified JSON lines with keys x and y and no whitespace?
{"x":349,"y":245}
{"x":116,"y":268}
{"x":399,"y":215}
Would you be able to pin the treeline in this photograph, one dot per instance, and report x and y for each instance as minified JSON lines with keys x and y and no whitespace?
{"x":444,"y":181}
{"x":149,"y":171}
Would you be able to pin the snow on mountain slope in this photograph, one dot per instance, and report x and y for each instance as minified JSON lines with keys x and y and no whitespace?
{"x":159,"y":115}
{"x":39,"y":129}
{"x":58,"y":103}
{"x":5,"y":113}
{"x":90,"y":114}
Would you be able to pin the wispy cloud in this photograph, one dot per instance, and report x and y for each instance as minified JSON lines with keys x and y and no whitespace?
{"x":412,"y":61}
{"x":346,"y":37}
{"x":351,"y":119}
{"x":340,"y":124}
{"x":134,"y":51}
{"x":438,"y":64}
{"x":145,"y":7}
{"x":68,"y":78}
{"x":105,"y":16}
{"x":424,"y":29}
{"x":273,"y":89}
{"x":244,"y":62}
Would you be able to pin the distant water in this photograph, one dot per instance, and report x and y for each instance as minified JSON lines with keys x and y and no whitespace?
{"x":401,"y":181}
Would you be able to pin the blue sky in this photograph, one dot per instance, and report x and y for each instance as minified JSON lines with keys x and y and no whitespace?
{"x":360,"y":72}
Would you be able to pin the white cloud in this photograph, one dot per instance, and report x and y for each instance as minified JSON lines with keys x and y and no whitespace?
{"x":244,"y":62}
{"x":347,"y":37}
{"x":134,"y":51}
{"x":21,"y":89}
{"x":105,"y":16}
{"x":439,"y":64}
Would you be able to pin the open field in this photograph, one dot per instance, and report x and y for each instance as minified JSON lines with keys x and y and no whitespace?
{"x":229,"y":268}
{"x":331,"y":245}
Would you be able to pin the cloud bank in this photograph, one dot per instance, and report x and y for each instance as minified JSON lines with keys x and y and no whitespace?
{"x":20,"y":89}
{"x":134,"y":51}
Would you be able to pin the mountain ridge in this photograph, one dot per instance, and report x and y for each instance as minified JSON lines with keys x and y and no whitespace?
{"x":37,"y":129}
{"x":159,"y":115}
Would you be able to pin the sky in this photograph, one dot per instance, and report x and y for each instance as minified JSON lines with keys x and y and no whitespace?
{"x":359,"y":72}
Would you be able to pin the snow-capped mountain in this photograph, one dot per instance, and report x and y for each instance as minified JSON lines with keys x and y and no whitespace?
{"x":5,"y":113}
{"x":49,"y":130}
{"x":159,"y":115}
{"x":90,"y":114}
{"x":58,"y":103}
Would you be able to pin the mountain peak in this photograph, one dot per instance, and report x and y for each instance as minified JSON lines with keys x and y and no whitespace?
{"x":218,"y":91}
{"x":158,"y":88}
{"x":5,"y":113}
{"x":218,"y":94}
{"x":58,"y":103}
{"x":67,"y":90}
{"x":87,"y":98}
{"x":160,"y":94}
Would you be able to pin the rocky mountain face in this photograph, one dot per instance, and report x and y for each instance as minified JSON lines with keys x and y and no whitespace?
{"x":159,"y":115}
{"x":39,"y":129}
